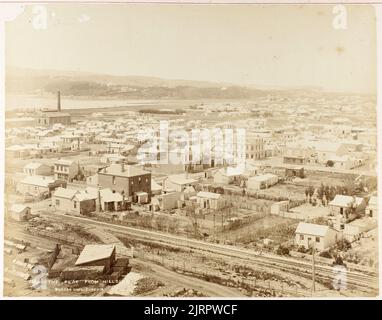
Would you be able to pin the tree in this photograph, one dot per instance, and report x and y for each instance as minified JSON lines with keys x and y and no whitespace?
{"x":330,"y":163}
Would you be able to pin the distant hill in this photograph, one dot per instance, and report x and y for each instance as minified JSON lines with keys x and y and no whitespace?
{"x":78,"y":83}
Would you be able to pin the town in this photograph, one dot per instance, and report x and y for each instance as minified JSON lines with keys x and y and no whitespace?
{"x":91,"y":212}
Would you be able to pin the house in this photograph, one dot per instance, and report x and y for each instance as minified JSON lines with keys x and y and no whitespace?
{"x":167,"y":201}
{"x":279,"y":207}
{"x":38,"y":186}
{"x":326,"y":150}
{"x":228,"y":175}
{"x":93,"y":255}
{"x":262,"y":181}
{"x":346,"y":205}
{"x":79,"y":146}
{"x":354,"y":229}
{"x":17,"y":151}
{"x":317,"y":236}
{"x":128,"y":180}
{"x":19,"y":212}
{"x":371,"y":209}
{"x":298,"y":153}
{"x":72,"y":200}
{"x":179,"y":182}
{"x":210,"y":200}
{"x":49,"y":118}
{"x":112,"y":201}
{"x":156,"y":188}
{"x":37,"y":169}
{"x":254,"y":147}
{"x":65,"y":170}
{"x":294,"y":171}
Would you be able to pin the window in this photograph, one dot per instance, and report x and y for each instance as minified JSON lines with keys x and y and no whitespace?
{"x":57,"y":202}
{"x":75,"y":204}
{"x":301,"y":237}
{"x":113,"y":179}
{"x":370,"y":213}
{"x":317,"y":239}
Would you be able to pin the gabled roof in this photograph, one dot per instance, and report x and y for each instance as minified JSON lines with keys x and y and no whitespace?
{"x":17,"y":207}
{"x":345,"y":201}
{"x":65,"y":193}
{"x":109,"y":196}
{"x":312,"y":229}
{"x":34,"y":165}
{"x":264,"y":177}
{"x":40,"y":181}
{"x":94,"y":252}
{"x":209,"y":195}
{"x":181,"y":179}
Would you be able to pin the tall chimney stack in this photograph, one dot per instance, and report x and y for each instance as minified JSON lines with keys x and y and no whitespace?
{"x":58,"y":101}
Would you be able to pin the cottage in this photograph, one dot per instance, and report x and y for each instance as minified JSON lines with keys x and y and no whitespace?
{"x":37,"y":169}
{"x":179,"y":182}
{"x":210,"y":200}
{"x":37,"y":186}
{"x":167,"y":201}
{"x":317,"y":236}
{"x":354,"y":229}
{"x":227,"y":175}
{"x":17,"y":151}
{"x":347,"y":205}
{"x":262,"y":181}
{"x":294,"y":171}
{"x":19,"y":212}
{"x":113,"y":201}
{"x":72,"y":200}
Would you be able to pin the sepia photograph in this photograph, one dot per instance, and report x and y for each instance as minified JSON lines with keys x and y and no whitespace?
{"x":169,"y":150}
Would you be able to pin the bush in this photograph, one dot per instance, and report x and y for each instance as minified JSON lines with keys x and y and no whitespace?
{"x":325,"y":254}
{"x":282,"y":251}
{"x":343,"y":245}
{"x":302,"y":249}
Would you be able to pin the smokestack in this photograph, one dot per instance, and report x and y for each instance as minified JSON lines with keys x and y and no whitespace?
{"x":58,"y":101}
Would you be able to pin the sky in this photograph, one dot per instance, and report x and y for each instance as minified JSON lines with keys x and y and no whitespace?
{"x":263,"y":45}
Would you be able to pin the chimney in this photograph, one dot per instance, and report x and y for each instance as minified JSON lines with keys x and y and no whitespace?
{"x":58,"y":101}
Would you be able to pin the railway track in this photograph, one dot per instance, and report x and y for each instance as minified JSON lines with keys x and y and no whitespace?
{"x":362,"y":281}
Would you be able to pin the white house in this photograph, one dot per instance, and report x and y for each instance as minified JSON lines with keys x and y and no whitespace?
{"x":210,"y":200}
{"x":37,"y":169}
{"x":262,"y":181}
{"x":19,"y":212}
{"x":314,"y":235}
{"x":227,"y":175}
{"x":179,"y":182}
{"x":341,"y":204}
{"x":35,"y":185}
